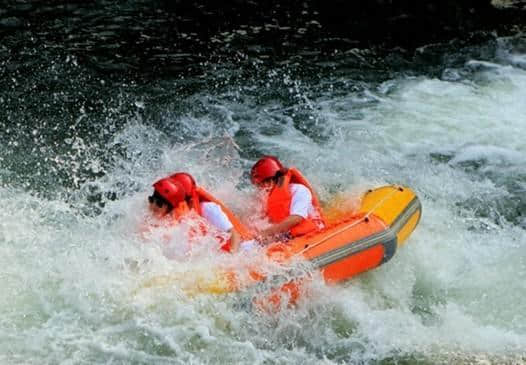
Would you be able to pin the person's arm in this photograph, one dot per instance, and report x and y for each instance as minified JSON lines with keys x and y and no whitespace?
{"x":281,"y":227}
{"x":235,"y":240}
{"x":213,"y":213}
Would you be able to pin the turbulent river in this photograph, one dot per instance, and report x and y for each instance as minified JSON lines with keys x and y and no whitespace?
{"x":80,"y":149}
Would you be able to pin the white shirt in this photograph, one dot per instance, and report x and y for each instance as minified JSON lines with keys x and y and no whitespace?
{"x":301,"y":202}
{"x":213,"y":213}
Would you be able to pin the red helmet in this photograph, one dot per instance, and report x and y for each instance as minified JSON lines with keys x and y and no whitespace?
{"x":266,"y":167}
{"x":172,"y":191}
{"x":186,"y":180}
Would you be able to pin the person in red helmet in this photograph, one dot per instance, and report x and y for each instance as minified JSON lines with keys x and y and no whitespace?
{"x":178,"y":195}
{"x":186,"y":180}
{"x":292,"y":206}
{"x":167,"y":195}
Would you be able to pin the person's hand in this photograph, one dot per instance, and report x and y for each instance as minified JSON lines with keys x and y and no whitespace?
{"x":263,"y":237}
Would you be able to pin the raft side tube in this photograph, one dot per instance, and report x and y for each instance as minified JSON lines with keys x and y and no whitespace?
{"x":355,"y":247}
{"x":360,"y":243}
{"x":397,"y":206}
{"x":406,"y":222}
{"x":353,"y":229}
{"x":357,"y":257}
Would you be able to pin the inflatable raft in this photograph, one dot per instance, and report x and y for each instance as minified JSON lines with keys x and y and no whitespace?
{"x":363,"y":240}
{"x":353,"y":242}
{"x":356,"y":242}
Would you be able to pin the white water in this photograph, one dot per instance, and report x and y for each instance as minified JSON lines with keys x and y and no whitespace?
{"x":454,"y":293}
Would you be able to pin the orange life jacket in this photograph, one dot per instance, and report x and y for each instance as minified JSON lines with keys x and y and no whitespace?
{"x":201,"y":195}
{"x":280,"y":198}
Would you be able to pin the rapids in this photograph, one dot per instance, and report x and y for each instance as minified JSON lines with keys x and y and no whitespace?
{"x":80,"y":150}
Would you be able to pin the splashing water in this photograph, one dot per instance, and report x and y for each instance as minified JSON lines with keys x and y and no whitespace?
{"x":72,"y":202}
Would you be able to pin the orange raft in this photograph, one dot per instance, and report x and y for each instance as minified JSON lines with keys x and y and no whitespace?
{"x":354,"y":242}
{"x":363,"y":240}
{"x":357,"y":242}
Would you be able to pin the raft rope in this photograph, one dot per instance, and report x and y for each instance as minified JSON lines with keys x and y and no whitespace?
{"x":347,"y":227}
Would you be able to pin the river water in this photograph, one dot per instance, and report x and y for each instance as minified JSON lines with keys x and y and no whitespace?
{"x":80,"y":149}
